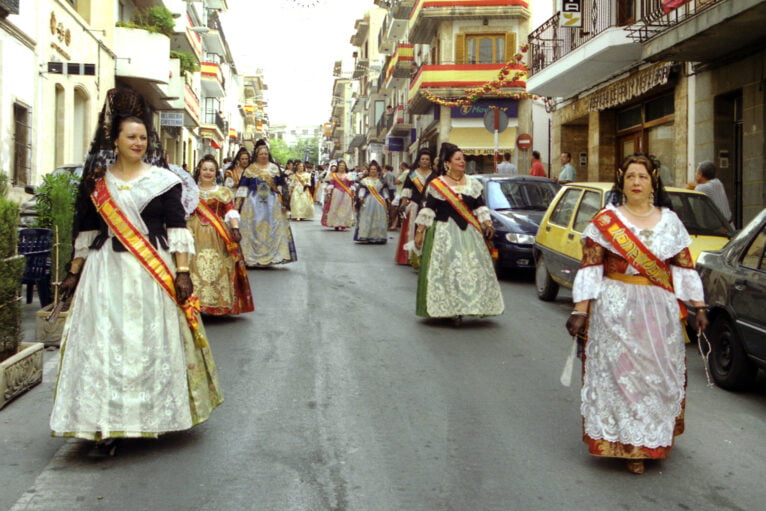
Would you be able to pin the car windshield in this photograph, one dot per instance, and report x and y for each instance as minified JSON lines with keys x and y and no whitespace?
{"x":698,"y":214}
{"x":510,"y":194}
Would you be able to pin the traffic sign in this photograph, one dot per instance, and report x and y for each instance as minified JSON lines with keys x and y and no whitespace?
{"x":524,"y":141}
{"x":489,"y":120}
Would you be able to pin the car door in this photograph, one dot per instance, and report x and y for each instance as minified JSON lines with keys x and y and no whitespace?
{"x":559,"y":260}
{"x":749,"y":297}
{"x":589,"y":205}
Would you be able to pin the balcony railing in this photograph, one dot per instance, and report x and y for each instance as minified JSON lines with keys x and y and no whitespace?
{"x":216,"y":119}
{"x":655,"y":20}
{"x":550,"y":42}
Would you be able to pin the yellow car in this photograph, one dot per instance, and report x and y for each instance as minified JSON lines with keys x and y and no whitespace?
{"x":558,"y":249}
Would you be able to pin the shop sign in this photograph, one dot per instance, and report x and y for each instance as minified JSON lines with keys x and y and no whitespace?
{"x":395,"y":144}
{"x":571,"y":14}
{"x":478,"y":109}
{"x":629,"y":88}
{"x":171,"y":119}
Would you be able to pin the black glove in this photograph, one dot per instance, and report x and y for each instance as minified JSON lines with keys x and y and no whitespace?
{"x":184,"y":287}
{"x":575,"y":324}
{"x":489,"y":232}
{"x":236,"y":234}
{"x":68,"y":285}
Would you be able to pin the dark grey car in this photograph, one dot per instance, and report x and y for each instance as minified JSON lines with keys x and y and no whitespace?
{"x":735,"y":289}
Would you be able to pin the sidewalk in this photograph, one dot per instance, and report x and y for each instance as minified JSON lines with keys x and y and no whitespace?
{"x":27,"y":446}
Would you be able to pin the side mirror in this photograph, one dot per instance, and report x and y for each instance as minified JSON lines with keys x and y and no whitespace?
{"x":30,"y":189}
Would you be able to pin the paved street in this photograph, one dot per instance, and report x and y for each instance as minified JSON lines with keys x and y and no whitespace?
{"x":339,"y":398}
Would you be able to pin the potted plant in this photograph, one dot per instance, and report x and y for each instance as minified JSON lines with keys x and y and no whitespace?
{"x":55,"y":210}
{"x":21,"y":363}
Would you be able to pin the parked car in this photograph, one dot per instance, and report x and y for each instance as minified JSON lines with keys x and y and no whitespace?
{"x":28,"y":208}
{"x":558,"y":248}
{"x":517,"y":205}
{"x":734,"y":279}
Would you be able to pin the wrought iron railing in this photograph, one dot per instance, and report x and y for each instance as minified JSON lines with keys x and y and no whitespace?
{"x":654,"y":20}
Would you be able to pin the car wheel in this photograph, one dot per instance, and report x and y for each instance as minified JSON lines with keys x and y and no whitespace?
{"x":547,"y":289}
{"x":729,"y":364}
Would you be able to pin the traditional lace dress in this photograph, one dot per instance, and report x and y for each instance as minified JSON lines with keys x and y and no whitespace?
{"x":266,"y":235}
{"x":129,"y":365}
{"x":457,"y":277}
{"x":301,"y":200}
{"x":634,"y":365}
{"x":218,"y":273}
{"x":338,"y":208}
{"x":372,"y":220}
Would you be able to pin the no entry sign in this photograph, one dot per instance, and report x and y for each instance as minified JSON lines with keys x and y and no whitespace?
{"x":524,"y":141}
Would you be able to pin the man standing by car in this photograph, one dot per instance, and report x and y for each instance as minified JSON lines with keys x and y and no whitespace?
{"x":568,"y":172}
{"x":506,"y":167}
{"x":711,"y":186}
{"x":537,"y":165}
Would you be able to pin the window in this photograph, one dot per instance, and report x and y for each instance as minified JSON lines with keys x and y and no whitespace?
{"x":589,"y":206}
{"x":753,"y":258}
{"x":22,"y":145}
{"x":484,"y":48}
{"x":565,"y":207}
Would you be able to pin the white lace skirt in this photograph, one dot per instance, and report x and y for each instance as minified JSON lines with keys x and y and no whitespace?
{"x":459,"y":276}
{"x":635,"y":365}
{"x":123,"y":370}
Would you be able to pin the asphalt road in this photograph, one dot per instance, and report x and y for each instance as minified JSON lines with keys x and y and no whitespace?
{"x":337,"y":397}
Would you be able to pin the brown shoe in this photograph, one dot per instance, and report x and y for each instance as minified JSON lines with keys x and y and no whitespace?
{"x":635,"y":466}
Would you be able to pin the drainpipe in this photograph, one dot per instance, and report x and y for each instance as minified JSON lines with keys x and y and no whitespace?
{"x":691,"y":97}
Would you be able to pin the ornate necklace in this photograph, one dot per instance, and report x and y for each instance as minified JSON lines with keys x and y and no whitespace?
{"x":643,"y":215}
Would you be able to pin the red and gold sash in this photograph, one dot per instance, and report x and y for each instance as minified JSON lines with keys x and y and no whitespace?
{"x":630,"y":247}
{"x":374,"y":193}
{"x":207,"y":214}
{"x":137,"y":244}
{"x":463,"y":210}
{"x":340,"y":184}
{"x":418,"y":182}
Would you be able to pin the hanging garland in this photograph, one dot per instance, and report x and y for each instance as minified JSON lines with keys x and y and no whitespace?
{"x":492,"y":88}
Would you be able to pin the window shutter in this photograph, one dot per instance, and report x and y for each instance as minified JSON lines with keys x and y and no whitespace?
{"x":460,"y":49}
{"x":510,"y":46}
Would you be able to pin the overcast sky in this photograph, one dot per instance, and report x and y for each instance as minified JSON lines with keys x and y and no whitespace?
{"x":295,"y":42}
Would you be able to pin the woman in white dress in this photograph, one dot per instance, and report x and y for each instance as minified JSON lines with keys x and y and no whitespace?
{"x":134,"y":358}
{"x":301,"y":200}
{"x":457,"y":277}
{"x":635,"y":273}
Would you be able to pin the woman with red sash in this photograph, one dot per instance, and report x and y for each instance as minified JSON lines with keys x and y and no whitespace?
{"x":457,"y":277}
{"x":234,"y":173}
{"x":135,"y":361}
{"x":635,"y":274}
{"x":372,"y":224}
{"x":218,"y":271}
{"x":338,"y":211}
{"x":415,"y":184}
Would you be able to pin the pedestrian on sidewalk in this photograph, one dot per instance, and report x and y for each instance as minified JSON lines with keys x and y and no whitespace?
{"x":415,"y":184}
{"x":537,"y":166}
{"x":568,"y":172}
{"x":635,"y":269}
{"x":262,"y":199}
{"x":506,"y":167}
{"x":710,"y":185}
{"x":373,"y":197}
{"x":134,"y":358}
{"x":217,"y":269}
{"x":457,"y":277}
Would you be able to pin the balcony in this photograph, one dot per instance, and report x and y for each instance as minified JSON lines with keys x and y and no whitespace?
{"x":186,"y":38}
{"x":395,"y":27}
{"x":359,"y":105}
{"x":212,"y":80}
{"x":451,"y":80}
{"x":361,"y":68}
{"x":401,"y":124}
{"x":148,"y":74}
{"x":213,"y":127}
{"x":187,"y":101}
{"x":362,"y":28}
{"x":214,"y":41}
{"x":700,"y":30}
{"x":216,"y":4}
{"x":400,"y":66}
{"x":427,"y":14}
{"x":564,"y":61}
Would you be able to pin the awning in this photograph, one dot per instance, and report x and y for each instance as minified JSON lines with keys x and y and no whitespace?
{"x":479,"y":141}
{"x":357,"y":141}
